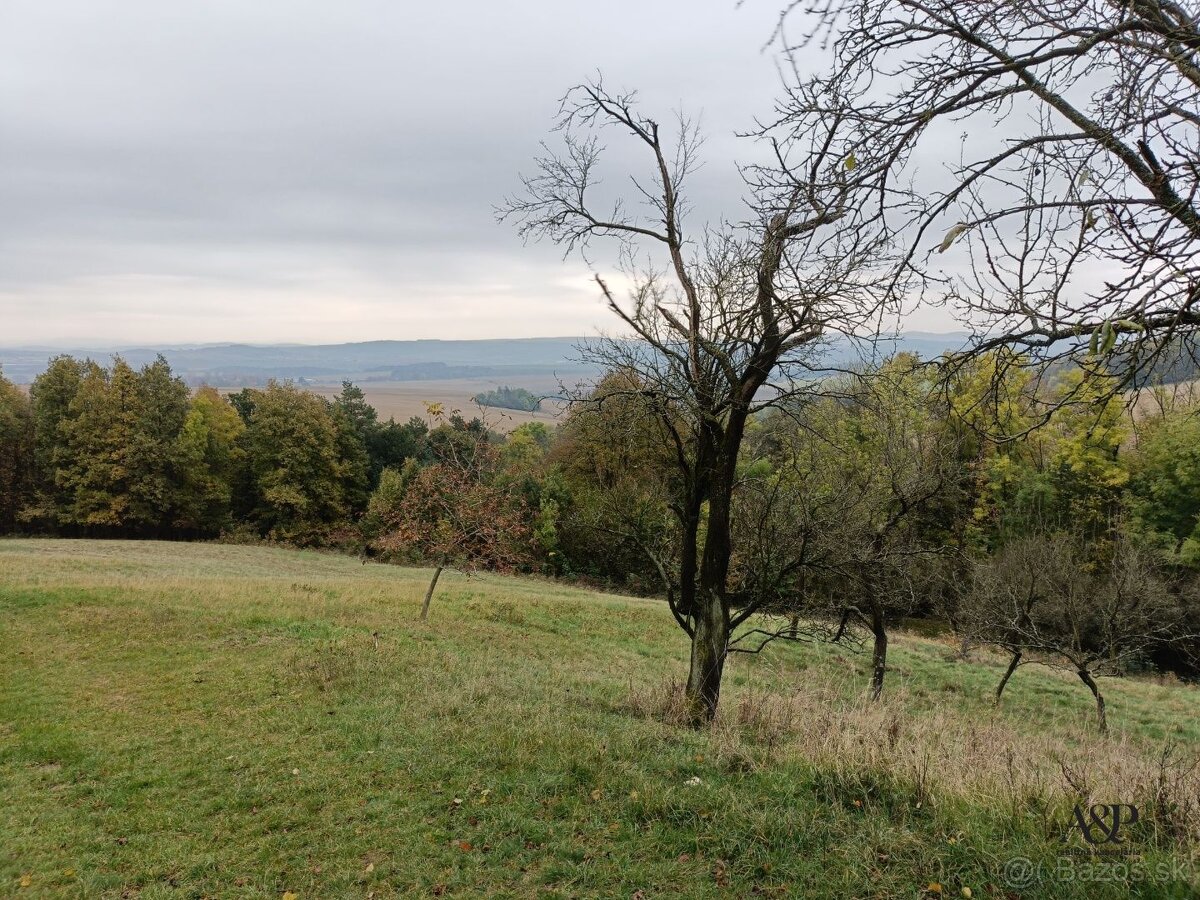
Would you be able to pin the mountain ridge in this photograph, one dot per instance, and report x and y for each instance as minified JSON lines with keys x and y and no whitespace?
{"x":234,"y":363}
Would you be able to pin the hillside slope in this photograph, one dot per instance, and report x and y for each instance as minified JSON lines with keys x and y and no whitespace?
{"x":205,"y":720}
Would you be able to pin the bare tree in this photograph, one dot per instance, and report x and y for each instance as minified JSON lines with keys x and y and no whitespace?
{"x":716,"y":326}
{"x":1090,"y":609}
{"x":1070,"y":215}
{"x":1009,"y":587}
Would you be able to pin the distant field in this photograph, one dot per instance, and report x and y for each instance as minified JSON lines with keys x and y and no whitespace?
{"x":402,"y":400}
{"x":1147,"y":401}
{"x":210,"y":721}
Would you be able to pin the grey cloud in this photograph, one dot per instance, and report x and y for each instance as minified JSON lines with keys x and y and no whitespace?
{"x":165,"y":164}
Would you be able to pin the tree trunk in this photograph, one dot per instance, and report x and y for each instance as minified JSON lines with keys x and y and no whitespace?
{"x":1008,"y":673}
{"x":843,"y":624}
{"x":1101,"y":720}
{"x":878,"y":625}
{"x":437,"y":573}
{"x":964,"y":647}
{"x":688,"y":559}
{"x":709,"y":647}
{"x":879,"y":656}
{"x":710,"y":642}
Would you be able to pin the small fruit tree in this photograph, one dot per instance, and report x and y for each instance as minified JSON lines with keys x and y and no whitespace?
{"x":455,"y":512}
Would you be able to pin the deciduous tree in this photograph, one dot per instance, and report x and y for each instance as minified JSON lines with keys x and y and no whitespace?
{"x":874,"y":463}
{"x":1045,"y":149}
{"x":1090,"y":607}
{"x":51,"y":394}
{"x":453,"y":513}
{"x":291,"y":454}
{"x":1164,"y":486}
{"x":722,"y":324}
{"x":16,"y":452}
{"x":209,"y":453}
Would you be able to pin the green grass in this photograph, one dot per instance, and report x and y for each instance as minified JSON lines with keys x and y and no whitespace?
{"x":212,"y":721}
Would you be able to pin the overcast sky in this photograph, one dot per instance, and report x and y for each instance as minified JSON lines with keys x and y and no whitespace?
{"x":291,"y":170}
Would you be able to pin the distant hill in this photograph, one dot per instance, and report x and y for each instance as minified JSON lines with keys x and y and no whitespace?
{"x":427,"y":360}
{"x":236,"y":364}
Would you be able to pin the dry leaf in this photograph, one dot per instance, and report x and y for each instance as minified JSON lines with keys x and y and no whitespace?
{"x":950,"y":236}
{"x":721,"y":873}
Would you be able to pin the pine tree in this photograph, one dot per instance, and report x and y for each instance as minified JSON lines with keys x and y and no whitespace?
{"x":352,"y":453}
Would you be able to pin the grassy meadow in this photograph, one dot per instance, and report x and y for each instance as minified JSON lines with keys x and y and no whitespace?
{"x":198,"y":720}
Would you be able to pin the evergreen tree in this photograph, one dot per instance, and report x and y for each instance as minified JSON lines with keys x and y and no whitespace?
{"x":390,"y":444}
{"x":352,"y":452}
{"x":244,"y":402}
{"x":353,"y":402}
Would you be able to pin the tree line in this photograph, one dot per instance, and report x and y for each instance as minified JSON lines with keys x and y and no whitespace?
{"x":507,"y":397}
{"x":96,"y":450}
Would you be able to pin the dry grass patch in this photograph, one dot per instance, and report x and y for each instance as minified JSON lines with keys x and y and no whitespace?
{"x":829,"y":724}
